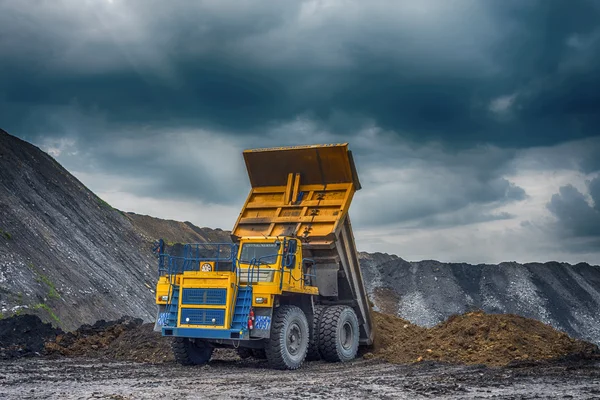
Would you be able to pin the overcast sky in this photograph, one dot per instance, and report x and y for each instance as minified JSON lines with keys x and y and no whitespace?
{"x":475,"y":124}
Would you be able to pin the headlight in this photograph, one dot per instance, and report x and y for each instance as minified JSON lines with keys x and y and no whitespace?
{"x":206,"y":267}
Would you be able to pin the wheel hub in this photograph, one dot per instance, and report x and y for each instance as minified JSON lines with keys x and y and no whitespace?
{"x":294,"y":339}
{"x":347,"y":335}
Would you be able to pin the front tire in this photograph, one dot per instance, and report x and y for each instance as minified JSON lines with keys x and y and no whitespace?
{"x":338,"y":334}
{"x":191,"y":351}
{"x":288,"y":344}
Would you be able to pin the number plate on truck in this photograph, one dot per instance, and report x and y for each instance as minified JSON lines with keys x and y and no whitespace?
{"x":262,"y":322}
{"x":162,"y":319}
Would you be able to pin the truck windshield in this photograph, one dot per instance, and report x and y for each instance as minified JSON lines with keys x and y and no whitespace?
{"x":266,"y":252}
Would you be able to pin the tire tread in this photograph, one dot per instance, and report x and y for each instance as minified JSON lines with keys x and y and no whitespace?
{"x":182,"y":351}
{"x":328,"y":339}
{"x":273,"y":350}
{"x":313,"y":353}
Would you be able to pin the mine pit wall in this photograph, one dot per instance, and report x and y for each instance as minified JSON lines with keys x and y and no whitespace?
{"x":565,"y":296}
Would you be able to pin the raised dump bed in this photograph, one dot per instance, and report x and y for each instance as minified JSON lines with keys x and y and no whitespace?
{"x":306,"y":191}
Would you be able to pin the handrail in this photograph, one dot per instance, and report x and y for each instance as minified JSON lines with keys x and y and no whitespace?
{"x":191,"y":258}
{"x":236,"y":287}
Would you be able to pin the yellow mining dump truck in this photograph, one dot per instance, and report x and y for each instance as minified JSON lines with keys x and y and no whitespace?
{"x":289,"y":286}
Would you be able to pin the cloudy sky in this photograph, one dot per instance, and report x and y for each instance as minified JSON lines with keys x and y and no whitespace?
{"x":475,"y":124}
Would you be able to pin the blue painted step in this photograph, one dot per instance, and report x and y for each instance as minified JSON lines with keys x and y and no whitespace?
{"x":173,"y":307}
{"x":243,"y":303}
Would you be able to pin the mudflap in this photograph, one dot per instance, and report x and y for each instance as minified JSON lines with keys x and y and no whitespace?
{"x":262,"y":323}
{"x":161,"y":317}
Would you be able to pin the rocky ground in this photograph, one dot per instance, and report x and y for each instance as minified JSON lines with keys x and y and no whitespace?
{"x":71,"y":378}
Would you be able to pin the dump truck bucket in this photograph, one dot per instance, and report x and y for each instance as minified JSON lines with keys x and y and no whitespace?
{"x":302,"y":191}
{"x":316,"y":164}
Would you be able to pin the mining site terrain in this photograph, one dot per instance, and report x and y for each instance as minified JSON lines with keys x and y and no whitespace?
{"x":71,"y":266}
{"x":475,"y":355}
{"x":250,"y":379}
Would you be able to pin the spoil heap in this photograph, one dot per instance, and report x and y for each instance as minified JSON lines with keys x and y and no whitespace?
{"x":474,"y":338}
{"x":24,"y":335}
{"x":124,"y":339}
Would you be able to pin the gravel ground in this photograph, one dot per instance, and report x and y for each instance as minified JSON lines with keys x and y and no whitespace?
{"x":38,"y":378}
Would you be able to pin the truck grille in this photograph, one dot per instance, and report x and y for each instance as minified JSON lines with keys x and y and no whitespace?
{"x":213,"y":297}
{"x":200,"y":316}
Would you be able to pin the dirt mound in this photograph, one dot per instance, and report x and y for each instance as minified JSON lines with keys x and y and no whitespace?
{"x":141,"y":345}
{"x":24,"y":335}
{"x":124,"y":339}
{"x":474,"y":338}
{"x":175,"y":231}
{"x":91,"y":340}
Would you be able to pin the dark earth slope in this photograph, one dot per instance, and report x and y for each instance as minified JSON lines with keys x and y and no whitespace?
{"x":426,"y":293}
{"x":65,"y":254}
{"x":175,"y":231}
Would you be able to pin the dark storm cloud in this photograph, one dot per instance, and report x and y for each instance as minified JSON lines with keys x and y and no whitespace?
{"x":594,"y":188}
{"x":444,"y":77}
{"x":449,"y":200}
{"x":576,"y":217}
{"x":515,"y":74}
{"x":459,"y":219}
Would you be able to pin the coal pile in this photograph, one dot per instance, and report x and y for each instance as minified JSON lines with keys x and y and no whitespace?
{"x":475,"y":338}
{"x":24,"y":335}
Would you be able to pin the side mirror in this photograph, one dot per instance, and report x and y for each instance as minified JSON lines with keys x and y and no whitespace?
{"x":293,"y":245}
{"x":290,"y":261}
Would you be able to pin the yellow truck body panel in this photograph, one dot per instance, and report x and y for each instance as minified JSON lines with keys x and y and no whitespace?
{"x":302,"y":191}
{"x":306,"y":192}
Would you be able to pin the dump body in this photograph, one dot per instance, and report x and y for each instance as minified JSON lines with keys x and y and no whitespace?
{"x":305,"y":192}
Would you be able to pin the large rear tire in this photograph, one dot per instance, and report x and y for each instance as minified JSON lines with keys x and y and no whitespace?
{"x":313,"y":345}
{"x":191,"y":351}
{"x":288,"y":344}
{"x":338,"y":334}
